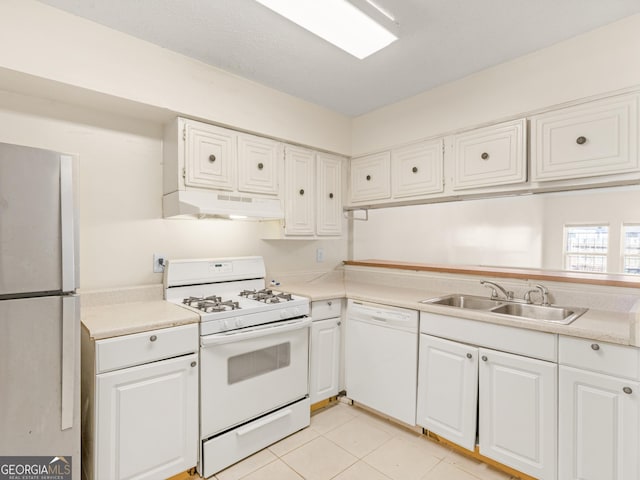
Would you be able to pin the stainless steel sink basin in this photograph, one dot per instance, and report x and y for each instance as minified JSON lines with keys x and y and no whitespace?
{"x":465,"y":301}
{"x":523,"y":311}
{"x":547,"y":313}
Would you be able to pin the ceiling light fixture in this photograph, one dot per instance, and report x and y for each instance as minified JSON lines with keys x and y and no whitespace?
{"x":336,"y":21}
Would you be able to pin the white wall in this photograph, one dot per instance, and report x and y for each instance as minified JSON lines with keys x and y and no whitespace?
{"x":500,"y":231}
{"x":120,"y":183}
{"x":45,"y":42}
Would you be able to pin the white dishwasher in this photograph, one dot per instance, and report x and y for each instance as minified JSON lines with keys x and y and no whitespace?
{"x":381,"y":358}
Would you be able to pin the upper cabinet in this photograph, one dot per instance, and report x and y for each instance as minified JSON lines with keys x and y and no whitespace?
{"x":210,"y":156}
{"x":299,"y":191}
{"x":328,"y":194}
{"x":417,"y":169}
{"x":258,"y":164}
{"x":591,"y":139}
{"x":490,"y":156}
{"x":370,"y":178}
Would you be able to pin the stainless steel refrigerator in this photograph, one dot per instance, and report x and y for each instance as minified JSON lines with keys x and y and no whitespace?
{"x":39,"y":308}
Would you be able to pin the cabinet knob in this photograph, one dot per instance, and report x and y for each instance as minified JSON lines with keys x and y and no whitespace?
{"x":331,"y":195}
{"x":368,"y":178}
{"x":212,"y":158}
{"x":595,"y":346}
{"x":301,"y":191}
{"x":484,"y":156}
{"x":153,"y":338}
{"x":193,"y":364}
{"x":339,"y":323}
{"x":260,"y":166}
{"x":581,"y":140}
{"x":469,"y":355}
{"x":627,"y":390}
{"x":329,"y":303}
{"x":414,"y":169}
{"x":484,"y":358}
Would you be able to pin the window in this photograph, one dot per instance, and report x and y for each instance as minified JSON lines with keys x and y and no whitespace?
{"x":631,"y":248}
{"x":586,"y":247}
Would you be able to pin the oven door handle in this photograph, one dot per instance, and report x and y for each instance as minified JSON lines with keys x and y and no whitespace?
{"x":246,"y":334}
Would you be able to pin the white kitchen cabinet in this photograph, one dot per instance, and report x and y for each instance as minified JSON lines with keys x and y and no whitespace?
{"x":516,"y":400}
{"x":299,"y":191}
{"x":325,"y":353}
{"x":594,"y":138}
{"x":370,"y":178}
{"x":417,"y":169}
{"x":140,"y":404}
{"x":448,"y":389}
{"x":329,"y":195}
{"x":210,"y":156}
{"x":258,"y":162}
{"x":518,"y":412}
{"x":599,"y":410}
{"x":491,"y":156}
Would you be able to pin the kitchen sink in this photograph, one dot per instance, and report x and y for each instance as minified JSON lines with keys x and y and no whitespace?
{"x":465,"y":301}
{"x":526,"y":311}
{"x":547,"y":313}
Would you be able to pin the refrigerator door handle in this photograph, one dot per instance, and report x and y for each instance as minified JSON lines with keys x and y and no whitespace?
{"x":68,"y":371}
{"x":68,"y":228}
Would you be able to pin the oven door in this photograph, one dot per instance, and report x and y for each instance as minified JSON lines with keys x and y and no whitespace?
{"x":249,"y":372}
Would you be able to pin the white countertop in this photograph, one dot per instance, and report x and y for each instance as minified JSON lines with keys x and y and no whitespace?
{"x":117,"y":319}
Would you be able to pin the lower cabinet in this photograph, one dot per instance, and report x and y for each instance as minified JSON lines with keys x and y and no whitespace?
{"x":599,"y":429}
{"x":140,"y":405}
{"x":503,"y":402}
{"x":324,"y":363}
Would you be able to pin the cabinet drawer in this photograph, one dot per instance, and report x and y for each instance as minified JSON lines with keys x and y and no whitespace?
{"x":322,"y":309}
{"x":139,"y":348}
{"x":495,"y":155}
{"x":520,"y":341}
{"x":618,"y":360}
{"x":595,"y":138}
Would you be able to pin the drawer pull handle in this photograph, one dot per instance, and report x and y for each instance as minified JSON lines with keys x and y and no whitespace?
{"x":484,"y":358}
{"x":484,"y":156}
{"x":193,"y":364}
{"x":331,"y":195}
{"x":469,"y":355}
{"x":368,"y":178}
{"x":581,"y":140}
{"x":595,"y":346}
{"x":212,"y":158}
{"x":301,"y":191}
{"x":260,"y":166}
{"x":414,"y":169}
{"x":153,"y":338}
{"x":627,"y":390}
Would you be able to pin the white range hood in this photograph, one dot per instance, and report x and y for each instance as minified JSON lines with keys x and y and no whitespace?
{"x":203,"y":204}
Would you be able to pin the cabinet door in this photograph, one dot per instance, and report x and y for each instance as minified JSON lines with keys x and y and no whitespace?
{"x":495,"y":155}
{"x":448,"y":389}
{"x":329,"y":203}
{"x":518,"y":412}
{"x":258,"y":164}
{"x":147,"y":420}
{"x":210,"y":156}
{"x":370,"y":177}
{"x":417,"y":169}
{"x":598,"y":428}
{"x":594,"y":138}
{"x":325,"y":359}
{"x":299,"y":198}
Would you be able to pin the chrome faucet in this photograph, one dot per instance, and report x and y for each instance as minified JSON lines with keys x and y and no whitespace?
{"x":544,"y":294}
{"x":508,"y":295}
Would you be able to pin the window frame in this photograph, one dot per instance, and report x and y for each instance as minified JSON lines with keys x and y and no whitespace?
{"x":567,"y":254}
{"x":623,"y":247}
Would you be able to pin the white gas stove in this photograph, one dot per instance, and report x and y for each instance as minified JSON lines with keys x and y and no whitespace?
{"x":254,"y":356}
{"x":229,"y":293}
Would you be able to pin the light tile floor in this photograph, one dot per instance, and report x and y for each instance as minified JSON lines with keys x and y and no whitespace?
{"x":347,"y":443}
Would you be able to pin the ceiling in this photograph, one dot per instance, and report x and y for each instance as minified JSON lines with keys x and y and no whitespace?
{"x":440,"y":41}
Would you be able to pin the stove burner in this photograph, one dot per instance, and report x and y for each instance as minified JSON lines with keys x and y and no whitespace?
{"x":266,"y":296}
{"x":211,"y":304}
